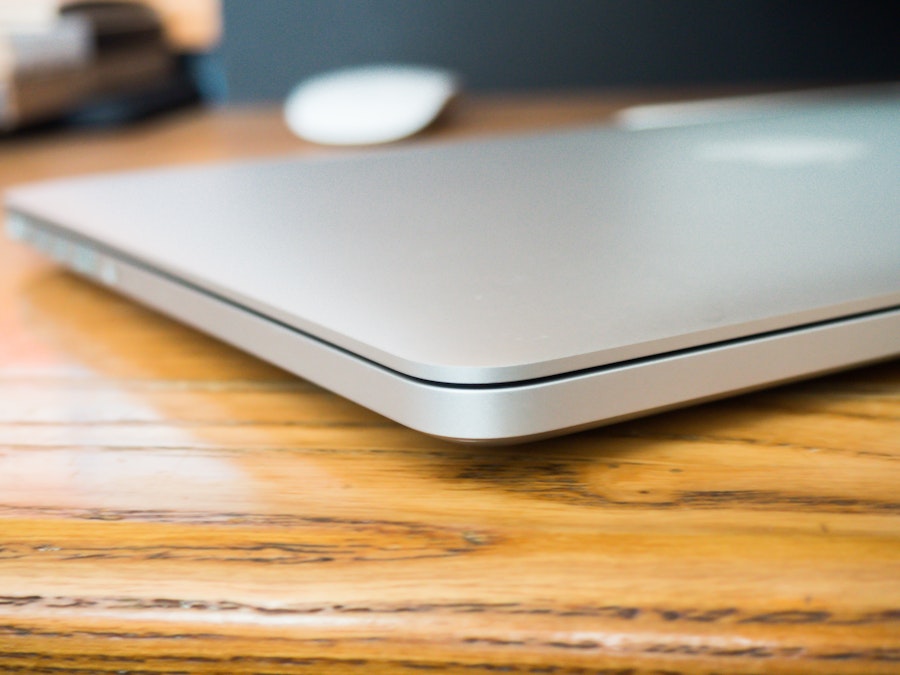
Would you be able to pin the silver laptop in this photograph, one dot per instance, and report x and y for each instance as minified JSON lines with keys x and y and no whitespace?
{"x":516,"y":287}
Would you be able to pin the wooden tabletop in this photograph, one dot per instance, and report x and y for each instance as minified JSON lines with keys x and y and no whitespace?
{"x":170,"y":505}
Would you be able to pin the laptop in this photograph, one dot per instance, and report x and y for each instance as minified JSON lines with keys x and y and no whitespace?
{"x":515,"y":287}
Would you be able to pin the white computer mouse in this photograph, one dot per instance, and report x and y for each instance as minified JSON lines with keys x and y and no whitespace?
{"x":368,"y":104}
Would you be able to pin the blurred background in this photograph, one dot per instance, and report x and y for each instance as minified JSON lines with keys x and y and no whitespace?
{"x":113,"y":61}
{"x":523,"y":44}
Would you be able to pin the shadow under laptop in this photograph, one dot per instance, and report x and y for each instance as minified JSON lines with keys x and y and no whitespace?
{"x":277,"y":443}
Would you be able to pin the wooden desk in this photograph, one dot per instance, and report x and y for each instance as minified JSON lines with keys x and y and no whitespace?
{"x":170,"y":505}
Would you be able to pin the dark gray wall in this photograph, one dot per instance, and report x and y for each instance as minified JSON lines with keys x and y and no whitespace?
{"x":516,"y":44}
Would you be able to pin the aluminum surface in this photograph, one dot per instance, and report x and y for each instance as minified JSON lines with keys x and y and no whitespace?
{"x":519,"y":258}
{"x":499,"y":413}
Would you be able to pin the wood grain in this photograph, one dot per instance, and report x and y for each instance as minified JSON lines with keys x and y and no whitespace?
{"x":170,"y":505}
